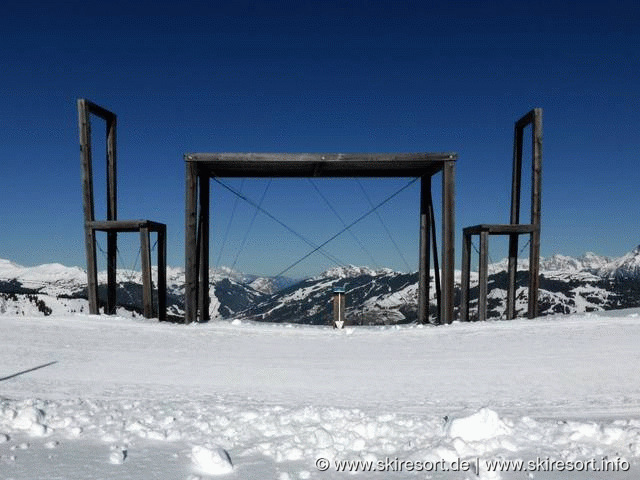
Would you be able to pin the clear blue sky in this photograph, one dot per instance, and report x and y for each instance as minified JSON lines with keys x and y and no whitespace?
{"x":323,"y":76}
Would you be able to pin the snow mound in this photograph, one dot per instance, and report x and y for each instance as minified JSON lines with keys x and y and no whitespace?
{"x":211,"y":460}
{"x":30,"y":419}
{"x":118,"y":455}
{"x":482,"y":425}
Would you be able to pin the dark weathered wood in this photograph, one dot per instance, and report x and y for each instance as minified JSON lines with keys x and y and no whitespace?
{"x":112,"y":266}
{"x":516,"y":174}
{"x":500,"y":228}
{"x":512,"y":270}
{"x":536,"y":205}
{"x":424,"y":263}
{"x":112,"y":176}
{"x":448,"y":240}
{"x":162,"y":274}
{"x":84,"y":127}
{"x":98,"y":111}
{"x":112,"y":214}
{"x":147,"y":288}
{"x":516,"y":196}
{"x":483,"y":275}
{"x":125,"y":225}
{"x":203,"y":293}
{"x":465,"y":279}
{"x":191,"y":264}
{"x":436,"y":267}
{"x":320,"y":164}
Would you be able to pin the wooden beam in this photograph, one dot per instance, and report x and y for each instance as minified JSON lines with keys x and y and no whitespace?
{"x":516,"y":174}
{"x":424,"y":257}
{"x":483,"y":276}
{"x":112,"y":265}
{"x":84,"y":127}
{"x":126,"y":225}
{"x":436,"y":266}
{"x":112,"y":180}
{"x":516,"y":183}
{"x":501,"y":228}
{"x":536,"y":204}
{"x":465,"y":280}
{"x":512,"y":270}
{"x":191,"y":264}
{"x":112,"y":213}
{"x":203,"y":293}
{"x":448,"y":240}
{"x":147,"y":287}
{"x":162,"y":274}
{"x":320,"y":164}
{"x":98,"y":111}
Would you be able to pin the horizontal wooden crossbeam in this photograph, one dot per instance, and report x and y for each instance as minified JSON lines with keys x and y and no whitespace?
{"x":126,"y":225}
{"x":319,"y":164}
{"x":500,"y":229}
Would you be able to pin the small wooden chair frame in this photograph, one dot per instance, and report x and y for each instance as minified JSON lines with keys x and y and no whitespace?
{"x":112,"y":226}
{"x":513,"y":230}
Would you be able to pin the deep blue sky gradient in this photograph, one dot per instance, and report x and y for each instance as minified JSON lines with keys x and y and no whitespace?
{"x":323,"y":76}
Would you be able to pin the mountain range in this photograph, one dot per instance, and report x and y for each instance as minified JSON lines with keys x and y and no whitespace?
{"x":567,"y":285}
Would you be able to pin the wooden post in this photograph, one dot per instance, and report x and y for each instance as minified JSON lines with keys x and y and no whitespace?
{"x":112,"y":253}
{"x":203,"y":293}
{"x":147,"y":289}
{"x":84,"y":126}
{"x":465,"y":281}
{"x":448,"y":239}
{"x":191,"y":264}
{"x":436,"y":267}
{"x":516,"y":182}
{"x":112,"y":214}
{"x":425,"y":237}
{"x":483,"y":275}
{"x":536,"y":204}
{"x":512,"y":269}
{"x":162,"y":273}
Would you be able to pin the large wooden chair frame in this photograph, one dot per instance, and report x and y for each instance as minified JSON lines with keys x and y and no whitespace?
{"x":112,"y":226}
{"x":513,"y":230}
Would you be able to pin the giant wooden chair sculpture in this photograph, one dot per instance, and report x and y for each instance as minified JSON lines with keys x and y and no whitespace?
{"x":112,"y":226}
{"x":513,"y":230}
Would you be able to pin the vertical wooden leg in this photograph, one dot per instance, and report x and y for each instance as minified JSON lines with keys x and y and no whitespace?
{"x":436,"y":266}
{"x":203,"y":293}
{"x":191,"y":264}
{"x":112,"y":250}
{"x":84,"y":128}
{"x":534,"y":273}
{"x":465,"y":283}
{"x":483,"y":275}
{"x":512,"y":271}
{"x":145,"y":255}
{"x":425,"y":236}
{"x":536,"y":204}
{"x":162,"y":274}
{"x":448,"y":240}
{"x":92,"y":270}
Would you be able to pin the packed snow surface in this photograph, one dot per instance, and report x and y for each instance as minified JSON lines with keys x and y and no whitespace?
{"x":106,"y":397}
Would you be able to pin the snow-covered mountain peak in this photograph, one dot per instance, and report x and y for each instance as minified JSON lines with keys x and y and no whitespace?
{"x":351,"y":271}
{"x":627,"y":266}
{"x":589,"y":261}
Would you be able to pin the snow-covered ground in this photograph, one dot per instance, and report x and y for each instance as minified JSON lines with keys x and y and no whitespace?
{"x":135,"y":399}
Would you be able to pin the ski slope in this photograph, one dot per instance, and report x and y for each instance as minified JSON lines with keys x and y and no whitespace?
{"x":107,"y":397}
